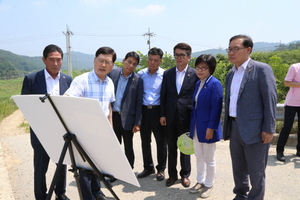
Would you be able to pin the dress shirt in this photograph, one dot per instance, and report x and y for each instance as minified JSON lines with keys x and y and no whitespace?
{"x":52,"y":84}
{"x":235,"y":87}
{"x":122,"y":83}
{"x":198,"y":92}
{"x":90,"y":86}
{"x":152,"y":86}
{"x":180,"y":78}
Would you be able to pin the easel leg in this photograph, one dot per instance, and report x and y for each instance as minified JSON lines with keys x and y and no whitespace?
{"x":58,"y":168}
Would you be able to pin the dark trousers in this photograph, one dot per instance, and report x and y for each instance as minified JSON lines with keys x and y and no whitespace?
{"x":41,"y":162}
{"x":89,"y":184}
{"x":127,"y":136}
{"x":289,"y":116}
{"x":150,"y":123}
{"x":249,"y":161}
{"x":173,"y":131}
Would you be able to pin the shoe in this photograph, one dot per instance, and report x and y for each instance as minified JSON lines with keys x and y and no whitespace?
{"x":146,"y":173}
{"x":62,"y":197}
{"x":280,"y":157}
{"x":111,"y":180}
{"x":171,"y":181}
{"x":185,"y":182}
{"x":103,"y":197}
{"x":206,"y":192}
{"x":298,"y":153}
{"x":160,"y":176}
{"x":197,"y":188}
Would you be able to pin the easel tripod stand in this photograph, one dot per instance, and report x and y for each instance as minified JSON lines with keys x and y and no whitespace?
{"x":70,"y":139}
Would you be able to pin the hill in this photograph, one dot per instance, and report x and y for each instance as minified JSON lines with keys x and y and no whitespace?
{"x":258,"y":47}
{"x":14,"y":66}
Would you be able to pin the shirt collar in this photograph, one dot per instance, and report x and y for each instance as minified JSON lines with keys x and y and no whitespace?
{"x":184,"y":70}
{"x":244,"y":65}
{"x":47,"y":75}
{"x":121,"y":75}
{"x":97,"y":79}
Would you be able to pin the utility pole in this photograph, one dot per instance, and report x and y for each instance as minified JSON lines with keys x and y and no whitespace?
{"x":149,"y":37}
{"x":68,"y":34}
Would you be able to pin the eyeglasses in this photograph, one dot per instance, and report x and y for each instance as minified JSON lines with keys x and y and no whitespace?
{"x":179,"y":56}
{"x":106,"y":62}
{"x":235,"y":49}
{"x":201,"y":68}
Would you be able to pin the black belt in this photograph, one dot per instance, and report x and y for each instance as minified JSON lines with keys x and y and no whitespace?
{"x":233,"y":118}
{"x":117,"y":112}
{"x":151,"y":107}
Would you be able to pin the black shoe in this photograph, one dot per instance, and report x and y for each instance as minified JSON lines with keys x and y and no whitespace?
{"x":298,"y":153}
{"x":103,"y":197}
{"x":146,"y":173}
{"x":280,"y":157}
{"x":171,"y":181}
{"x":111,"y":180}
{"x":62,"y":197}
{"x":160,"y":176}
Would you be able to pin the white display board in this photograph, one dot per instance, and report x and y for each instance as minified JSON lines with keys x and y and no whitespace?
{"x":84,"y":118}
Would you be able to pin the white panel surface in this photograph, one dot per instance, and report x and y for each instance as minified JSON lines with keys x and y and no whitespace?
{"x":84,"y":118}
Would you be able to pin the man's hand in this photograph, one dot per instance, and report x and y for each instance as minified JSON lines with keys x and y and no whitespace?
{"x":266,"y":137}
{"x":163,"y":121}
{"x":136,"y":128}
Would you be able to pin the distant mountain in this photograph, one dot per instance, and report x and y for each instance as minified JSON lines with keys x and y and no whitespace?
{"x":257,"y":47}
{"x":13,"y":65}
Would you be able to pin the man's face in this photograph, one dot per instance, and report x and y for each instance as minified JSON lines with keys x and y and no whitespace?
{"x":103,"y":64}
{"x":53,"y":63}
{"x":181,"y":58}
{"x":238,"y":54}
{"x":153,"y":62}
{"x":129,"y":65}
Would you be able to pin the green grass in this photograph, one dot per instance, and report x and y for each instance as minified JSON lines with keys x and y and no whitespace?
{"x":9,"y":88}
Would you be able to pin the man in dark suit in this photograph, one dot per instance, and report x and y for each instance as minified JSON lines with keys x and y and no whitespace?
{"x":47,"y":81}
{"x":176,"y":103}
{"x":127,"y":109}
{"x":250,"y":106}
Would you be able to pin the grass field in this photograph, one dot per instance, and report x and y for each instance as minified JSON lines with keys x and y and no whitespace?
{"x":7,"y":89}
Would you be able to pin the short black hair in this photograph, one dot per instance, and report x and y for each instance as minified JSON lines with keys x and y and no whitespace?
{"x":247,"y":40}
{"x":210,"y":60}
{"x":183,"y":46}
{"x":134,"y":55}
{"x":106,"y":50}
{"x":156,"y":51}
{"x":52,"y":48}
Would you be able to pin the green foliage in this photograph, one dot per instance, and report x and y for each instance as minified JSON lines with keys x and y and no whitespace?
{"x":168,"y":61}
{"x":7,"y":89}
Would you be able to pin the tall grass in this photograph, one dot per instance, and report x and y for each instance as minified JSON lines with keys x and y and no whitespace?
{"x":7,"y":89}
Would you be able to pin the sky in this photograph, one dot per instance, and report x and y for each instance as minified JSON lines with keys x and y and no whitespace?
{"x":27,"y":26}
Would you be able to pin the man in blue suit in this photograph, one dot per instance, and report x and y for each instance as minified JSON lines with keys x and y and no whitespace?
{"x":127,"y":109}
{"x":250,"y":106}
{"x":47,"y":81}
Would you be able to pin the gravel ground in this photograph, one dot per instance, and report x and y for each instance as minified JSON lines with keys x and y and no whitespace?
{"x":16,"y":172}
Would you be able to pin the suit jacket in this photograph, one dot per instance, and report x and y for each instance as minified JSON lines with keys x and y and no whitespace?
{"x":207,"y":113}
{"x":170,"y":100}
{"x":256,"y":103}
{"x":131,"y":103}
{"x":35,"y":83}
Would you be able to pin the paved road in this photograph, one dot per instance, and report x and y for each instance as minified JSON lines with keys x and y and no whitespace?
{"x":16,"y":175}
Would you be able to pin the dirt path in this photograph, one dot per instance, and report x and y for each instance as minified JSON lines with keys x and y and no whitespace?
{"x":16,"y":172}
{"x":8,"y":127}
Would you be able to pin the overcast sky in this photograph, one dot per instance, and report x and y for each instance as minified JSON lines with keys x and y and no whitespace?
{"x":27,"y":26}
